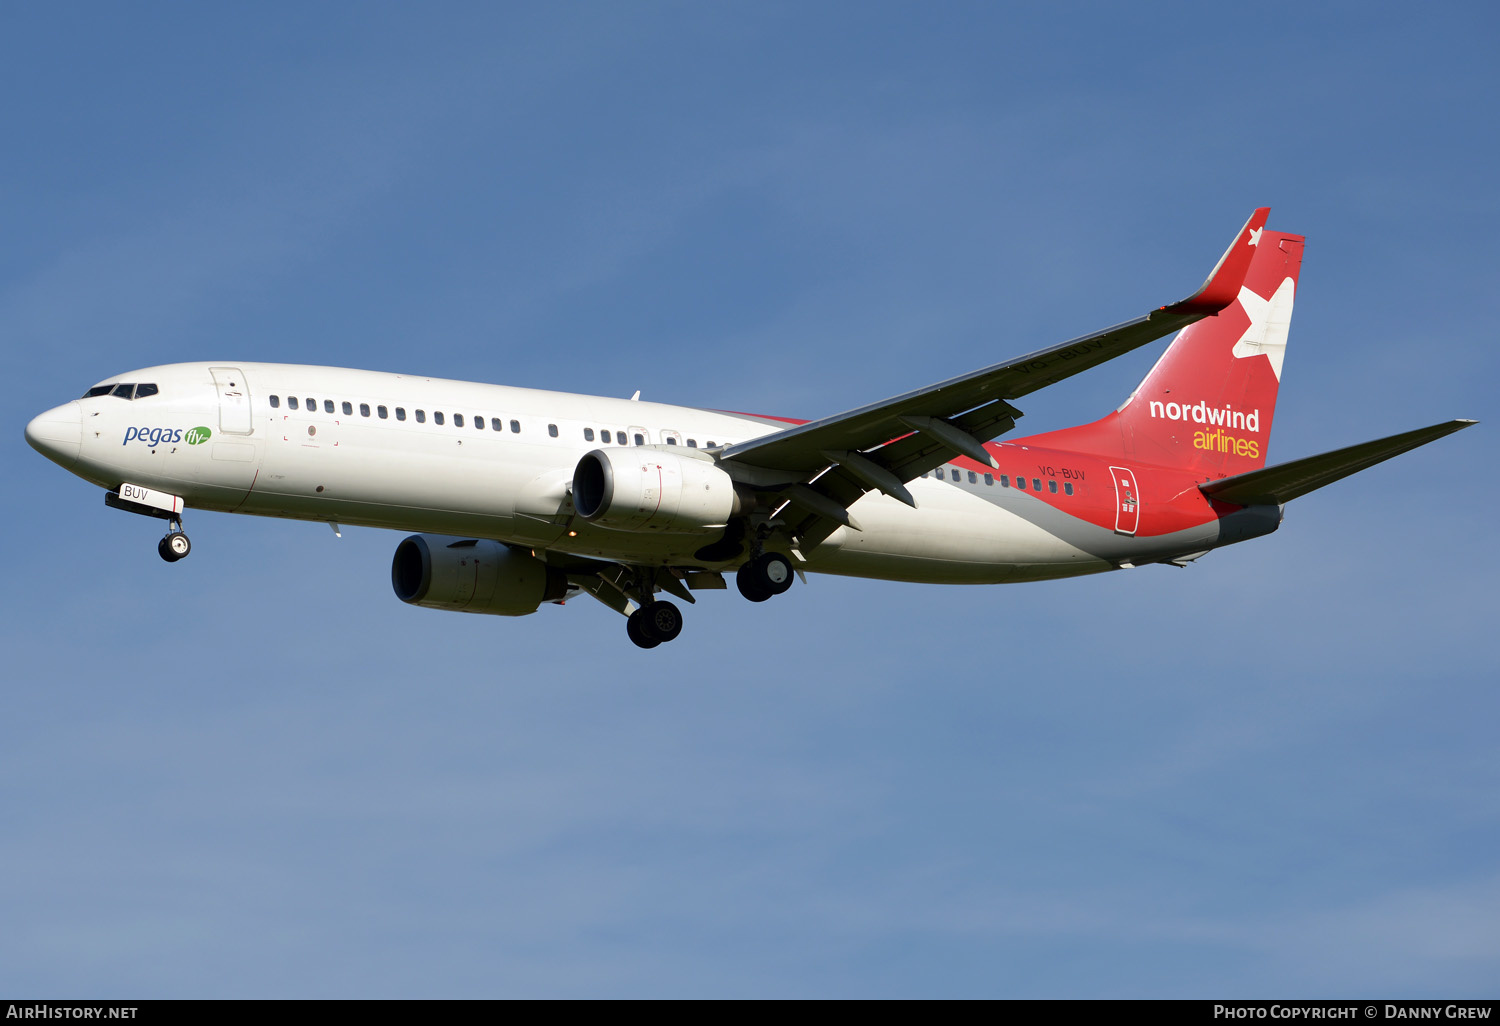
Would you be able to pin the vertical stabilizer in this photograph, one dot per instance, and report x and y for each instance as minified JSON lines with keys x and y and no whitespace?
{"x":1209,"y":402}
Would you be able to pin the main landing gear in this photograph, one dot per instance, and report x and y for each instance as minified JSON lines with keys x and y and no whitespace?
{"x":175,"y":545}
{"x":769,"y":573}
{"x":658,"y":621}
{"x":654,"y":623}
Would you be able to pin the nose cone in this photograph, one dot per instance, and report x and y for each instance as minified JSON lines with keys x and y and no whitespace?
{"x":58,"y":434}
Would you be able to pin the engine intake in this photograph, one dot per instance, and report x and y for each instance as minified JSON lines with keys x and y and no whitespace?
{"x":473,"y":576}
{"x":646,"y":489}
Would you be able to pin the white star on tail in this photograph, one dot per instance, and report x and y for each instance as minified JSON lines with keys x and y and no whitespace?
{"x":1270,"y":319}
{"x":1255,"y":236}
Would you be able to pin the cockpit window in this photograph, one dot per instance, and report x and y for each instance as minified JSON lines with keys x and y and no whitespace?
{"x":123,"y":390}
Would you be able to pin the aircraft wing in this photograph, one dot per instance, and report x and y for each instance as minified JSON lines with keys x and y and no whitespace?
{"x":1286,"y":481}
{"x":884,"y":444}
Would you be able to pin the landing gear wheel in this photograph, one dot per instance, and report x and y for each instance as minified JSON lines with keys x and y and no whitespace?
{"x":174,"y":546}
{"x":637,"y":633}
{"x":768,"y":574}
{"x":775,"y":571}
{"x":750,"y":585}
{"x":660,"y":621}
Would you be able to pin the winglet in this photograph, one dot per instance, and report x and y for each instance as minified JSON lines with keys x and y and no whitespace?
{"x":1223,"y":285}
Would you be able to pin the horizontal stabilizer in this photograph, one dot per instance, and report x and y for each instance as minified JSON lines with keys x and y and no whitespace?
{"x":1286,"y":481}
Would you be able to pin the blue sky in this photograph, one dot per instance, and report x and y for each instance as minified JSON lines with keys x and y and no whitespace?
{"x":256,"y":773}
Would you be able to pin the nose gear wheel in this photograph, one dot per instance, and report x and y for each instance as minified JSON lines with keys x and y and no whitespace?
{"x":174,"y":546}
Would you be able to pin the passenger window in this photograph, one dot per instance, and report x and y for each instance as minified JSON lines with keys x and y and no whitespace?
{"x":275,"y":402}
{"x":437,"y":418}
{"x":495,"y":424}
{"x":588,"y":434}
{"x":123,"y":391}
{"x":955,"y":473}
{"x":1004,"y":480}
{"x":400,"y":413}
{"x":515,"y":427}
{"x":141,"y":391}
{"x":380,"y":412}
{"x":1036,"y":484}
{"x":620,"y":437}
{"x":478,"y":422}
{"x":312,"y":405}
{"x":671,"y":440}
{"x":291,"y":402}
{"x":989,"y":479}
{"x":711,"y":444}
{"x":973,"y":477}
{"x":364,"y":409}
{"x":327,"y":405}
{"x":640,"y":439}
{"x":421,"y":416}
{"x":692,"y":443}
{"x":458,"y":420}
{"x":1052,"y":486}
{"x":1068,"y":488}
{"x":1021,"y":483}
{"x":348,"y":408}
{"x":552,"y":430}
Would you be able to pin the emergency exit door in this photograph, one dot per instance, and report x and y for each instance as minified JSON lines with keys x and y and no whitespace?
{"x":1127,"y":501}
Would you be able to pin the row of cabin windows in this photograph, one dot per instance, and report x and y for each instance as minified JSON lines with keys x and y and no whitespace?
{"x":604,"y":435}
{"x":989,"y":479}
{"x":496,"y":424}
{"x":383,"y":413}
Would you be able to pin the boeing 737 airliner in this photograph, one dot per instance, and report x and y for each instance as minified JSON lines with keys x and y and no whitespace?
{"x":524,"y":496}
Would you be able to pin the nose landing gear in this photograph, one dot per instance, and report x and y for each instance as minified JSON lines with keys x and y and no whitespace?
{"x":175,"y":545}
{"x":138,"y":499}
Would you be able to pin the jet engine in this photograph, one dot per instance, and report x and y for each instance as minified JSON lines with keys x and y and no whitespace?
{"x":473,"y":576}
{"x":647,"y":489}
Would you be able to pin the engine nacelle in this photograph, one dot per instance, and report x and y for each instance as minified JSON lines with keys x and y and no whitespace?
{"x":473,"y":576}
{"x":647,"y":489}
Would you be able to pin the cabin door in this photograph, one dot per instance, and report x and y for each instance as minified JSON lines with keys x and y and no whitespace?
{"x":234,"y":400}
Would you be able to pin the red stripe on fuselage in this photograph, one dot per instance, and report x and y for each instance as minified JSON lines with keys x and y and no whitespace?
{"x":1169,"y":499}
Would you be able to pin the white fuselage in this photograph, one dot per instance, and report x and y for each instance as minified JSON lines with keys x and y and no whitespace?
{"x":341,"y":461}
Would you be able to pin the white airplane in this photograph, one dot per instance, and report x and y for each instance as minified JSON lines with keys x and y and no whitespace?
{"x":525,"y":496}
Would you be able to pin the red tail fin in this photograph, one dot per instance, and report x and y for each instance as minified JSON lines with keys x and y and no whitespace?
{"x":1208,"y":403}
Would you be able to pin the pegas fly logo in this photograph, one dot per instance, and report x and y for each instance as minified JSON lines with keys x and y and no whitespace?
{"x":166,"y":436}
